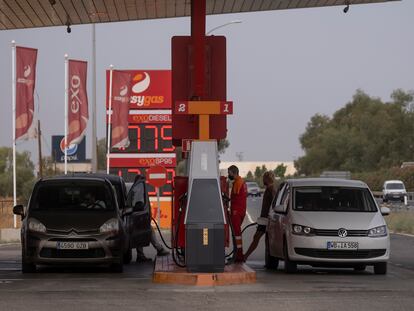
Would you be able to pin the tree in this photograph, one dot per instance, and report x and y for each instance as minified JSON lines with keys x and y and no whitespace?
{"x":24,"y":170}
{"x":249,"y":176}
{"x":367,"y":134}
{"x":49,"y":167}
{"x":280,"y":170}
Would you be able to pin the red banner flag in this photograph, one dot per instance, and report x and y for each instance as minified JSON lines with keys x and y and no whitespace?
{"x":25,"y":85}
{"x":78,"y":115}
{"x":121,"y":91}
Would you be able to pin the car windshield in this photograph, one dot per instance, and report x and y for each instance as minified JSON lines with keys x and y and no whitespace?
{"x":395,"y":186}
{"x":252,"y":184}
{"x":82,"y":196}
{"x":333,"y":199}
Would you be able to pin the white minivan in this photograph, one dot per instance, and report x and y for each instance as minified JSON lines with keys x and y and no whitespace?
{"x":326,"y":222}
{"x":393,"y":190}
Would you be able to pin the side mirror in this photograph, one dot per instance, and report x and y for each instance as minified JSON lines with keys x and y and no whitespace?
{"x":18,"y":210}
{"x":385,"y":211}
{"x":281,"y":209}
{"x":139,"y":206}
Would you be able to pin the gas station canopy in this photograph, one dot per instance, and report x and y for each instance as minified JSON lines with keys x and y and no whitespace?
{"x":17,"y":14}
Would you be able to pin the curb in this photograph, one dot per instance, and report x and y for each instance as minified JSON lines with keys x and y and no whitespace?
{"x":403,"y":234}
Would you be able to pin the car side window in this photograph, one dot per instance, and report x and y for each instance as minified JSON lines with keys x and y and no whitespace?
{"x":136,"y":194}
{"x":278,"y":198}
{"x":285,"y":196}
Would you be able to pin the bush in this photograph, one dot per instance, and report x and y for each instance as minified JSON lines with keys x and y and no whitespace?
{"x":375,"y":180}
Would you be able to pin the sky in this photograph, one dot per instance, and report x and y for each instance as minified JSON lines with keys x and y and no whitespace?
{"x":282,"y":68}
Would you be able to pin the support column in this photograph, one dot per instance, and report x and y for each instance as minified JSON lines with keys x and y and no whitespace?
{"x":198,"y":30}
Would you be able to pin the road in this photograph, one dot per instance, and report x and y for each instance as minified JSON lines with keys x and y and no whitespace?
{"x":310,"y":289}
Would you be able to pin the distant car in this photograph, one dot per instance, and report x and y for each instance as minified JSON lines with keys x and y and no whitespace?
{"x":78,"y":220}
{"x":326,"y":222}
{"x":253,"y":189}
{"x":393,"y":190}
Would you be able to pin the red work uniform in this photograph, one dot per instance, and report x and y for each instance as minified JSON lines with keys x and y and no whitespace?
{"x":238,"y":212}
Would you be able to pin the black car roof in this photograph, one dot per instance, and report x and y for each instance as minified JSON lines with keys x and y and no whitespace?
{"x":99,"y":176}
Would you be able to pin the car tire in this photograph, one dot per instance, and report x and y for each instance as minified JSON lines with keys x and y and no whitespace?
{"x":270,"y":261}
{"x":380,"y":268}
{"x":360,"y":268}
{"x":27,"y":267}
{"x":290,"y":266}
{"x":118,"y":267}
{"x":128,"y":256}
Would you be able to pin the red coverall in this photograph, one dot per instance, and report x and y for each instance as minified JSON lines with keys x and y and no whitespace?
{"x":238,"y":211}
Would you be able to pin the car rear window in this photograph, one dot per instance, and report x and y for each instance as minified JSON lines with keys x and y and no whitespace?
{"x":72,"y":196}
{"x":333,"y":199}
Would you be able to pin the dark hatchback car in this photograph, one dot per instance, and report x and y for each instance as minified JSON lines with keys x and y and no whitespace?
{"x":79,"y":220}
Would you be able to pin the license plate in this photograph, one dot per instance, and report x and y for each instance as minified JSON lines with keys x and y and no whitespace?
{"x":72,"y":245}
{"x":342,"y":245}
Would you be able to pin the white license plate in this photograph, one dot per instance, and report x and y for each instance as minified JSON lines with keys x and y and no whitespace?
{"x":332,"y":245}
{"x":72,"y":245}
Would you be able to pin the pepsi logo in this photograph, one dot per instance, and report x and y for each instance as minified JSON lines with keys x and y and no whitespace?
{"x":70,"y":150}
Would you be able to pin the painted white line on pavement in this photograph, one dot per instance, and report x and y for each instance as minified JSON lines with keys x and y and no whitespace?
{"x":10,"y":244}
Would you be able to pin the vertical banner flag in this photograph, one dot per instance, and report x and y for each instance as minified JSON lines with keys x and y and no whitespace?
{"x":25,"y":85}
{"x":77,"y":102}
{"x":121,"y":90}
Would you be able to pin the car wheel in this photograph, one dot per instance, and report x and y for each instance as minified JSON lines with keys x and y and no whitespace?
{"x":290,"y":266}
{"x":270,"y":261}
{"x":118,"y":267}
{"x":360,"y":268}
{"x":128,"y":256}
{"x":380,"y":268}
{"x":27,"y":267}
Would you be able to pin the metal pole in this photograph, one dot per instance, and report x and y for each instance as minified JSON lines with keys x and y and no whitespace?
{"x":66,"y":110}
{"x":198,"y":38}
{"x":108,"y":136}
{"x":13,"y":43}
{"x":158,"y":207}
{"x":39,"y":145}
{"x":94,"y":134}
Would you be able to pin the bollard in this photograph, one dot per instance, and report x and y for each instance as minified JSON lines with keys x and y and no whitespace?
{"x":405,"y":200}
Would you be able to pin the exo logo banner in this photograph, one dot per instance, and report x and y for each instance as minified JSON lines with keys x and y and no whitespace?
{"x":151,"y":89}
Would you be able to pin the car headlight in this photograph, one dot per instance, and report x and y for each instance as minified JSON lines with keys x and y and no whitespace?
{"x":36,"y":226}
{"x":302,"y":230}
{"x":111,"y":226}
{"x":378,"y":232}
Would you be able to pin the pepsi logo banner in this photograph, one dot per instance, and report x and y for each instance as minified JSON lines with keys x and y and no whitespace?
{"x":75,"y":152}
{"x":25,"y":84}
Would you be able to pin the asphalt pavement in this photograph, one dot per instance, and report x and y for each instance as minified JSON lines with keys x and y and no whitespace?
{"x":310,"y":289}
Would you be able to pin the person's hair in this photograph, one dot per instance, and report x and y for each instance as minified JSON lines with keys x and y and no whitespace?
{"x":234,"y":169}
{"x":269,"y":176}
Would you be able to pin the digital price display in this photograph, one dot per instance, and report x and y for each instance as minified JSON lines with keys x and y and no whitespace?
{"x":149,"y":138}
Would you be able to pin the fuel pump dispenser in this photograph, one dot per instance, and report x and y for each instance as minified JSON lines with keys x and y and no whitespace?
{"x":205,"y":216}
